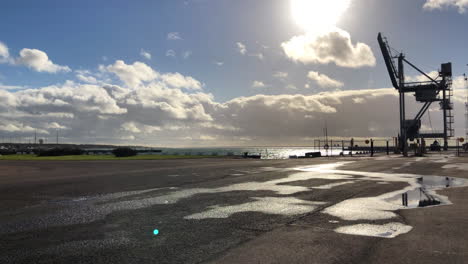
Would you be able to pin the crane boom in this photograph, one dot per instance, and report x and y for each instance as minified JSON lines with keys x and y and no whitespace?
{"x":384,"y":47}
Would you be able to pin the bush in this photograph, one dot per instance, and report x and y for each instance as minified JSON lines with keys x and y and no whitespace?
{"x":60,"y":152}
{"x":124,"y":152}
{"x":7,"y":151}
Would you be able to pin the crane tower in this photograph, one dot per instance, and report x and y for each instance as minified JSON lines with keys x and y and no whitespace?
{"x":466,"y":106}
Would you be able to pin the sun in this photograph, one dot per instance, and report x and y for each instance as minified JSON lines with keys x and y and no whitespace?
{"x":318,"y":15}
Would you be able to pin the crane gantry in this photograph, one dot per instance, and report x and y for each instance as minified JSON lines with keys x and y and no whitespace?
{"x":427,"y":92}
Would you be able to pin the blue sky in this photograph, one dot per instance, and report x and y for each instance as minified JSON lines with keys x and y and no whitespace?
{"x":85,"y":34}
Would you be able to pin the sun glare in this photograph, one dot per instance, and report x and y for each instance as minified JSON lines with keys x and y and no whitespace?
{"x":318,"y":15}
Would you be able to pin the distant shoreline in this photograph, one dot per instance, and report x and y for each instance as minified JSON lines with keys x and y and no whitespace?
{"x":31,"y":157}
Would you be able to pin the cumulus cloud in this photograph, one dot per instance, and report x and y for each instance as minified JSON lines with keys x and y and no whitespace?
{"x":11,"y":87}
{"x":145,"y":54}
{"x":241,"y":48}
{"x":421,"y":77}
{"x":331,"y":47}
{"x":170,"y":53}
{"x":323,"y":80}
{"x":280,"y":75}
{"x":186,"y":54}
{"x":171,"y":109}
{"x":35,"y":59}
{"x":258,"y":84}
{"x":131,"y":127}
{"x":17,"y":127}
{"x":208,"y":138}
{"x":257,"y":55}
{"x":39,"y":61}
{"x":4,"y":53}
{"x":291,"y":87}
{"x":264,"y":117}
{"x":156,"y":113}
{"x":359,"y":100}
{"x":174,"y":36}
{"x":108,"y":112}
{"x":85,"y":76}
{"x":177,"y":80}
{"x":55,"y":125}
{"x":461,"y":5}
{"x":132,"y":74}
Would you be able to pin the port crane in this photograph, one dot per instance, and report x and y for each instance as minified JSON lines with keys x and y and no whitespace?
{"x":426,"y":92}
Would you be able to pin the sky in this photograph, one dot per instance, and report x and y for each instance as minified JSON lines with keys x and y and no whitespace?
{"x":206,"y":73}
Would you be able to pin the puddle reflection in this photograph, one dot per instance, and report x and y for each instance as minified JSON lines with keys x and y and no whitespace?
{"x":424,"y":195}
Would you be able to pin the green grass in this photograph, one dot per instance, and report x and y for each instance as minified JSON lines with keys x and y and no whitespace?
{"x":101,"y":157}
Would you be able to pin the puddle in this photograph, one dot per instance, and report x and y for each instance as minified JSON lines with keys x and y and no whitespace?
{"x":404,"y":165}
{"x":267,"y":205}
{"x":420,"y":188}
{"x":426,"y":195}
{"x":332,"y":185}
{"x":458,"y":166}
{"x":389,"y":230}
{"x":421,"y":192}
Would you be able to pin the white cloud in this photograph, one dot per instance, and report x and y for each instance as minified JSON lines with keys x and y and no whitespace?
{"x":332,"y":47}
{"x":258,"y":84}
{"x":421,"y":77}
{"x":145,"y":54}
{"x":170,"y":53}
{"x":171,"y":109}
{"x":323,"y":80}
{"x":4,"y":53}
{"x":242,"y":48}
{"x":267,"y":117}
{"x":174,"y":36}
{"x":109,"y":112}
{"x":208,"y":138}
{"x":86,"y":79}
{"x":55,"y":125}
{"x":39,"y":61}
{"x":132,"y":74}
{"x":16,"y":127}
{"x":170,"y":116}
{"x":359,"y":100}
{"x":131,"y":127}
{"x":441,"y":4}
{"x":32,"y":58}
{"x":219,"y":63}
{"x":11,"y":87}
{"x":257,"y":55}
{"x":186,"y":54}
{"x":177,"y":80}
{"x":85,"y":76}
{"x":280,"y":75}
{"x":291,"y":87}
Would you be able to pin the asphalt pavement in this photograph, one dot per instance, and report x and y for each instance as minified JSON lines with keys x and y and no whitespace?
{"x":224,"y":211}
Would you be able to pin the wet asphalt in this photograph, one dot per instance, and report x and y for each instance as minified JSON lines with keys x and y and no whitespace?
{"x":106,"y":211}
